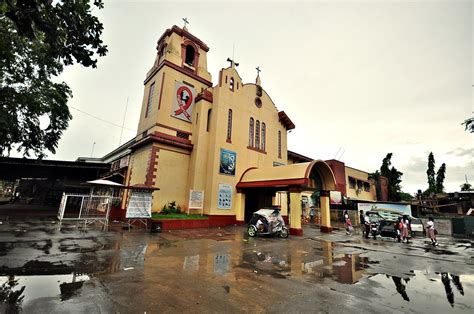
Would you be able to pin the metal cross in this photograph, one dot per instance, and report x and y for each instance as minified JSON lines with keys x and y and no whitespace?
{"x":232,"y":62}
{"x":258,"y":70}
{"x":185,"y":21}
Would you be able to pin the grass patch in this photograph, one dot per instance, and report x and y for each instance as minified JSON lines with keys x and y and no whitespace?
{"x":176,"y":216}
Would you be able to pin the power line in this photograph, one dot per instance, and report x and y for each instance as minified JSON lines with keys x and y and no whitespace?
{"x":98,"y":118}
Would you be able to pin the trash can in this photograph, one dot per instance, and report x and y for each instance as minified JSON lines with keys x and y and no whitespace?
{"x":156,"y":226}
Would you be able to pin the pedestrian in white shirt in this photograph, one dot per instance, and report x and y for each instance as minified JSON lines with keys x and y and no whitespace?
{"x":431,"y":231}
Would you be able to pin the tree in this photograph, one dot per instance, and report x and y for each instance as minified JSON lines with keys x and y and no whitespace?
{"x":469,"y":124}
{"x":440,"y":178}
{"x":394,"y":178}
{"x":431,"y":173}
{"x":394,"y":185}
{"x":466,"y":187}
{"x":406,"y":196}
{"x":37,"y":39}
{"x":386,"y":163}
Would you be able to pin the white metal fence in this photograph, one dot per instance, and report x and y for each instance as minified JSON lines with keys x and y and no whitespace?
{"x":88,"y":208}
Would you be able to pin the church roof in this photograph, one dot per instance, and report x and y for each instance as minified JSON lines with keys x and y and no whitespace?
{"x":185,"y":33}
{"x":286,"y":120}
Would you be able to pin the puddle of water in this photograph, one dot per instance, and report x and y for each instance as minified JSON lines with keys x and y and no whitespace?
{"x":425,"y":292}
{"x":18,"y":291}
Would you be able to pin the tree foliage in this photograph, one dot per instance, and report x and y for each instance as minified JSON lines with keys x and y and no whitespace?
{"x":394,"y":178}
{"x":440,"y":175}
{"x":430,"y":172}
{"x":469,"y":124}
{"x":466,"y":187}
{"x":435,"y":184}
{"x":37,"y":39}
{"x":406,"y":196}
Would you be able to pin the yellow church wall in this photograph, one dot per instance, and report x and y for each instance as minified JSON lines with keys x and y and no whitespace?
{"x":352,"y":193}
{"x":139,"y":165}
{"x":198,"y":172}
{"x":242,"y":103}
{"x":171,"y":177}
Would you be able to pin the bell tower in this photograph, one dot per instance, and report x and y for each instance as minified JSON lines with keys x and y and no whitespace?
{"x":177,"y":76}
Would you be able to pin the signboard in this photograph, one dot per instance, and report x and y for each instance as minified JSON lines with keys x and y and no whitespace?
{"x":335,"y":197}
{"x":227,"y":162}
{"x":183,"y":102}
{"x":139,"y":205}
{"x":405,"y":209}
{"x":196,"y":199}
{"x":224,"y":198}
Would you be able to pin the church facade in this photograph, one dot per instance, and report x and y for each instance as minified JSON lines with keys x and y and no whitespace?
{"x":218,"y":149}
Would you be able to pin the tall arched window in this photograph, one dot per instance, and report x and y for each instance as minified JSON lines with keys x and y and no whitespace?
{"x":208,"y":120}
{"x":251,"y":132}
{"x":231,"y":84}
{"x":264,"y":131}
{"x":189,"y":60}
{"x":257,"y":135}
{"x":279,"y":144}
{"x":229,"y":126}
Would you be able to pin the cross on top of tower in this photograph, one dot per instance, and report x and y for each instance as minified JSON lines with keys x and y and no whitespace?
{"x":258,"y":70}
{"x":185,"y":20}
{"x":232,"y":62}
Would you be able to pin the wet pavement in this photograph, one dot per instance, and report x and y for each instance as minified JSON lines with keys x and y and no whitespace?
{"x":50,"y":268}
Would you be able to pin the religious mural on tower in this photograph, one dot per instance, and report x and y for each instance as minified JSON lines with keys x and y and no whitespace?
{"x":183,"y":101}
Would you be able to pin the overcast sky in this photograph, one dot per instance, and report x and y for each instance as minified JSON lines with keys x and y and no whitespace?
{"x":359,"y":79}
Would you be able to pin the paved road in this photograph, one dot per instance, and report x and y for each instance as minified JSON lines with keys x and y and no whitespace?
{"x":64,"y":269}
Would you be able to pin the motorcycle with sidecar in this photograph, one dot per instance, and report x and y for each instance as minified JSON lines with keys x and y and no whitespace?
{"x":267,"y":221}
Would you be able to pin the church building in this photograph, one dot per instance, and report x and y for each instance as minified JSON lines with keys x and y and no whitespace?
{"x":218,"y":149}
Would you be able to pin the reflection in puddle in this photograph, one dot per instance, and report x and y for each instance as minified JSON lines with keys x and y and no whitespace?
{"x":17,"y":291}
{"x":438,"y":285}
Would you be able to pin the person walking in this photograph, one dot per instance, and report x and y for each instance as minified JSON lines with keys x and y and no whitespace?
{"x":361,"y":221}
{"x":405,"y":229}
{"x":347,"y":223}
{"x":398,"y":229}
{"x":367,"y":225}
{"x":431,"y":231}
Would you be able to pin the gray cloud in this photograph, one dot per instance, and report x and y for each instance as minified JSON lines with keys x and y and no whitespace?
{"x":462,"y":152}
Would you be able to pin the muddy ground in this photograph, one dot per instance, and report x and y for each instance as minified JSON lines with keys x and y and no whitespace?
{"x":50,"y":268}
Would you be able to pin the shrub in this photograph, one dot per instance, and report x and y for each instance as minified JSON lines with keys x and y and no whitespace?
{"x":171,"y":208}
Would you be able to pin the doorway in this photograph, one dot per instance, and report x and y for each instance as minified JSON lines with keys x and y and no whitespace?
{"x":256,"y":199}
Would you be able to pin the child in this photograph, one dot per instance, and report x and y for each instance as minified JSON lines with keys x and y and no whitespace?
{"x":431,"y":231}
{"x":348,"y":223}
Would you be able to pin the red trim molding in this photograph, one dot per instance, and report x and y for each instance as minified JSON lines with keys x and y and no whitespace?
{"x":325,"y":229}
{"x":283,"y":182}
{"x":210,"y":222}
{"x":256,"y":150}
{"x":152,"y":167}
{"x":289,"y":125}
{"x":179,"y":69}
{"x":183,"y":32}
{"x":206,"y":95}
{"x":158,"y":137}
{"x":296,"y":231}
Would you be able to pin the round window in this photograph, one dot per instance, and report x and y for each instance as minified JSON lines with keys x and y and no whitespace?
{"x":258,"y":102}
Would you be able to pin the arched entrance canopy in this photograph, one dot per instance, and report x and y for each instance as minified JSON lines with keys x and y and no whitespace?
{"x":315,"y":175}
